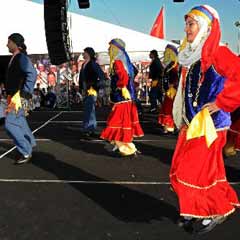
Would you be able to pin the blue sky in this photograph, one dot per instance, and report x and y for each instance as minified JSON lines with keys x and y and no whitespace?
{"x":140,"y":15}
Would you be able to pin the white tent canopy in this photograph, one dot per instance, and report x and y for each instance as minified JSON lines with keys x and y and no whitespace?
{"x":27,"y":18}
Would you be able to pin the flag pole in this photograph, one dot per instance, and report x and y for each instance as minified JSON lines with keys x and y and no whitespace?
{"x":237,"y":24}
{"x":164,"y":25}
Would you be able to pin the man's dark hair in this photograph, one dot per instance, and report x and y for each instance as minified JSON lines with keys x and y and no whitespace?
{"x":19,"y":40}
{"x":90,"y":52}
{"x":154,"y":53}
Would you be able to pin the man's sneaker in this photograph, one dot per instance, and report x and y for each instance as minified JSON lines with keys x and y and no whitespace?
{"x":23,"y":159}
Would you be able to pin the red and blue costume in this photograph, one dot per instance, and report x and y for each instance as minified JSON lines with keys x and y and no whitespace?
{"x":123,"y":123}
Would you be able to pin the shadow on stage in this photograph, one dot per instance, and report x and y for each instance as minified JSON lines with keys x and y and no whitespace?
{"x":125,"y":204}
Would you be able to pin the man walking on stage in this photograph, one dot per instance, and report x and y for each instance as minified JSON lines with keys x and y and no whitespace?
{"x":20,"y":81}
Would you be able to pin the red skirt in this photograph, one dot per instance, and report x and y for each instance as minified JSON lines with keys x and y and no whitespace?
{"x":234,"y":134}
{"x":122,"y":123}
{"x":198,"y":177}
{"x":165,"y":117}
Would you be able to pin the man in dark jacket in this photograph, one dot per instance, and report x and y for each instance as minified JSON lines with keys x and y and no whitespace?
{"x":20,"y":81}
{"x":90,"y":80}
{"x":155,"y":73}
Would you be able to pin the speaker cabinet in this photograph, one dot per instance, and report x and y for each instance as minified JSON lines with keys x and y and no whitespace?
{"x":83,"y":3}
{"x":56,"y":30}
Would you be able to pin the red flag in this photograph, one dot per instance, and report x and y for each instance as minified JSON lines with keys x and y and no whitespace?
{"x":158,"y":27}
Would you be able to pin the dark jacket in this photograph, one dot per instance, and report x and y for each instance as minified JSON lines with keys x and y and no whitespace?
{"x":91,"y":75}
{"x":156,"y":69}
{"x":21,"y":75}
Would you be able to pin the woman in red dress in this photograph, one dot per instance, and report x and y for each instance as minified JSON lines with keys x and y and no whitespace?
{"x":123,"y":123}
{"x":169,"y":84}
{"x":209,"y":89}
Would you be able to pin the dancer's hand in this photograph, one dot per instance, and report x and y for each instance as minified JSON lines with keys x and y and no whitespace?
{"x":171,"y":92}
{"x":11,"y":107}
{"x":126,"y":94}
{"x":212,"y":107}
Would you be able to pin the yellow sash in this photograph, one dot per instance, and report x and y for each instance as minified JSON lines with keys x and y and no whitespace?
{"x":125,"y":93}
{"x":14,"y":103}
{"x":91,"y":92}
{"x":202,"y":125}
{"x":154,"y":83}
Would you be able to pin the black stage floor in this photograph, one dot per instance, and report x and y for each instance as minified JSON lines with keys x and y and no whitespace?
{"x":76,"y":188}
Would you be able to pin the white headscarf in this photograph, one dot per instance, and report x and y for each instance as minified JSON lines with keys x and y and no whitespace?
{"x":192,"y":52}
{"x":189,"y":55}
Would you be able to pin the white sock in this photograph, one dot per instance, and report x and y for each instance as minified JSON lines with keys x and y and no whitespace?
{"x":205,"y":222}
{"x":115,"y":148}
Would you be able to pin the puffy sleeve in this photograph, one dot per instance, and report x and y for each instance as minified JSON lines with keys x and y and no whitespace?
{"x":228,"y":65}
{"x":29,"y":72}
{"x":121,"y":73}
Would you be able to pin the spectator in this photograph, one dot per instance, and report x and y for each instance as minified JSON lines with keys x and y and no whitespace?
{"x":51,"y":78}
{"x":50,"y":99}
{"x":36,"y":99}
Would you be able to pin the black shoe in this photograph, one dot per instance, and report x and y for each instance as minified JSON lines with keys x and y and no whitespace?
{"x":2,"y":121}
{"x":23,"y":159}
{"x":187,"y":224}
{"x":85,"y":135}
{"x":138,"y":152}
{"x":89,"y":133}
{"x":201,"y":229}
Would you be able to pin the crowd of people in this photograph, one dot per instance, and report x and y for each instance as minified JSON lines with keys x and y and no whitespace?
{"x":197,"y":87}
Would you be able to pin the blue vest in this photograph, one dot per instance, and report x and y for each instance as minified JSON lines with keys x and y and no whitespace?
{"x":212,"y":85}
{"x":116,"y":94}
